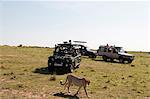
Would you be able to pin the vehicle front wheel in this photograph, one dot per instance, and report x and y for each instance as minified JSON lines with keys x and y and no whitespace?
{"x":112,"y":60}
{"x":93,"y":56}
{"x":104,"y":58}
{"x":90,"y":56}
{"x":50,"y":66}
{"x":121,"y":60}
{"x":129,"y":61}
{"x":70,"y":68}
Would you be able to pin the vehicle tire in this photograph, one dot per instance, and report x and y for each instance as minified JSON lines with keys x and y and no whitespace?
{"x":129,"y":61}
{"x":93,"y":56}
{"x":111,"y":59}
{"x":90,"y":56}
{"x":50,"y":66}
{"x":70,"y":68}
{"x":104,"y":58}
{"x":121,"y":60}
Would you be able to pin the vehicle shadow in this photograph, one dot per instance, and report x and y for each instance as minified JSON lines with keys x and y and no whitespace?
{"x":65,"y":95}
{"x":44,"y":70}
{"x":98,"y":60}
{"x":107,"y":61}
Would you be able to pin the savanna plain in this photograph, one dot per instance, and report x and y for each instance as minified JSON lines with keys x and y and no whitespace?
{"x":24,"y":75}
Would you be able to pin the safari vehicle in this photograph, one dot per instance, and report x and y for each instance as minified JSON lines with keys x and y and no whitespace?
{"x":109,"y":53}
{"x":85,"y":51}
{"x":65,"y":56}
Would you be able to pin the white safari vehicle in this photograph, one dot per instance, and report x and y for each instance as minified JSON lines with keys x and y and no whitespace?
{"x":109,"y":53}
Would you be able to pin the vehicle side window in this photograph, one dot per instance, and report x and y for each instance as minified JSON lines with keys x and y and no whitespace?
{"x":114,"y":50}
{"x":105,"y":49}
{"x":57,"y":50}
{"x":109,"y":49}
{"x":102,"y":49}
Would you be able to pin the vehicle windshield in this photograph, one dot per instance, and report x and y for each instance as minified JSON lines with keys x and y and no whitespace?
{"x":63,"y":50}
{"x":88,"y":49}
{"x":120,"y":49}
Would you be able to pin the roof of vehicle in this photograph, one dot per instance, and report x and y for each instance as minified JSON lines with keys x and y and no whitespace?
{"x":65,"y":44}
{"x":109,"y":46}
{"x":79,"y":41}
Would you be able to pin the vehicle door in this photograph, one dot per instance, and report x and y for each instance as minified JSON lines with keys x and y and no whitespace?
{"x":114,"y":53}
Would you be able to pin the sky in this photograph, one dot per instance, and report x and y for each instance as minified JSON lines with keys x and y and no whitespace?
{"x":46,"y":23}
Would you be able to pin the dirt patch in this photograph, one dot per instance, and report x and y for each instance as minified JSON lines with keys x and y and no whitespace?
{"x":24,"y":93}
{"x":52,"y":78}
{"x":6,"y":81}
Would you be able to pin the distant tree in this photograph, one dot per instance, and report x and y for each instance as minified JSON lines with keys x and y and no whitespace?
{"x":20,"y":45}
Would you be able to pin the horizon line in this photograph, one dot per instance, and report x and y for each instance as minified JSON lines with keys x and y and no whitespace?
{"x":38,"y":46}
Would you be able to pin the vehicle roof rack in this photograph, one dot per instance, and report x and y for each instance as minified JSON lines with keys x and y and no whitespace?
{"x":79,"y":41}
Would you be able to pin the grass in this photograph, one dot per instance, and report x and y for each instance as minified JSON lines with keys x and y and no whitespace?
{"x":23,"y":74}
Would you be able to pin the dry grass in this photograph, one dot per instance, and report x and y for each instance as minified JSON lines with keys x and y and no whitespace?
{"x":24,"y":74}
